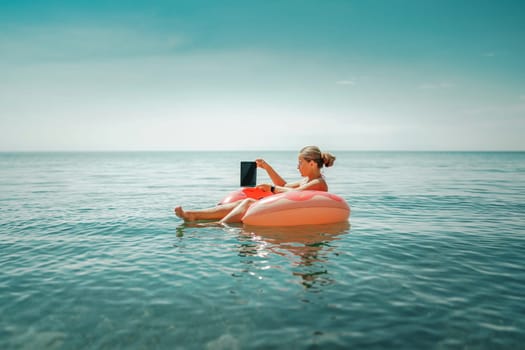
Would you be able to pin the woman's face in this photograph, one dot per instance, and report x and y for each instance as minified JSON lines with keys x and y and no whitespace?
{"x":303,"y":166}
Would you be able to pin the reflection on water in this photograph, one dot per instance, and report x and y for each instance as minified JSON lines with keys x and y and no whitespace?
{"x":308,"y":247}
{"x":304,"y":249}
{"x":305,"y":242}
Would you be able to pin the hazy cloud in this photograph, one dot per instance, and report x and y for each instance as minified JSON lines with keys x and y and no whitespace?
{"x":433,"y":86}
{"x":84,"y":42}
{"x":489,"y":54}
{"x":346,"y":82}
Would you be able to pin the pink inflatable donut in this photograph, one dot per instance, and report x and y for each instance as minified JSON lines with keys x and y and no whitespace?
{"x":298,"y":208}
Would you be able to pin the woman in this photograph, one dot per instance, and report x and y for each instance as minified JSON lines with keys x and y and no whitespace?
{"x":311,"y":161}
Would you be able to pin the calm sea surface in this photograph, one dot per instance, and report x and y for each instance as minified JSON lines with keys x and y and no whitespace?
{"x":91,"y":255}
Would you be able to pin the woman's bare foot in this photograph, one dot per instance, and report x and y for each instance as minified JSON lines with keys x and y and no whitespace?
{"x":184,"y":215}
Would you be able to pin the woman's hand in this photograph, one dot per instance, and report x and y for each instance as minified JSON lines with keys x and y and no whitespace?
{"x":261,"y":163}
{"x":265,"y":187}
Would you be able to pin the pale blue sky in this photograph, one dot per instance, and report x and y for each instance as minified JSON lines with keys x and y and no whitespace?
{"x":179,"y":75}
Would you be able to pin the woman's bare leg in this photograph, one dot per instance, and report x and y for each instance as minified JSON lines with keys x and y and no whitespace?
{"x":215,"y":213}
{"x":236,"y":214}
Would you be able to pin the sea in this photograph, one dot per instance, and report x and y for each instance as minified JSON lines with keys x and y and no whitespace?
{"x":93,"y":257}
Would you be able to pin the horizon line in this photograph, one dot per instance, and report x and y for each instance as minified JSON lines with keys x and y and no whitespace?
{"x":257,"y":150}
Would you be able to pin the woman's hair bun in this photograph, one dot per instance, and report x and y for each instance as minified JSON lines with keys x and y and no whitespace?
{"x":328,"y":159}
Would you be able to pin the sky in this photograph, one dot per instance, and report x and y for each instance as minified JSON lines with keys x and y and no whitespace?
{"x":262,"y":75}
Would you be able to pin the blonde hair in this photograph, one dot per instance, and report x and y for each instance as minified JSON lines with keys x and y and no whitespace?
{"x":314,"y":153}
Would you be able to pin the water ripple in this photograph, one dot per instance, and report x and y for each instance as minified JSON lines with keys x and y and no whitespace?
{"x":91,"y":256}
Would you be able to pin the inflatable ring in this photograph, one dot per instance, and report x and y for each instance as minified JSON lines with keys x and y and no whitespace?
{"x":296,"y":208}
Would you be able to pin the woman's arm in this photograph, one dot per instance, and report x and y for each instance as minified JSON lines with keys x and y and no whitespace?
{"x":276,"y":178}
{"x":294,"y":184}
{"x":314,"y":185}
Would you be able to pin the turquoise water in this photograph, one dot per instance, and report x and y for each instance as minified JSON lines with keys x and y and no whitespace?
{"x":91,"y":255}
